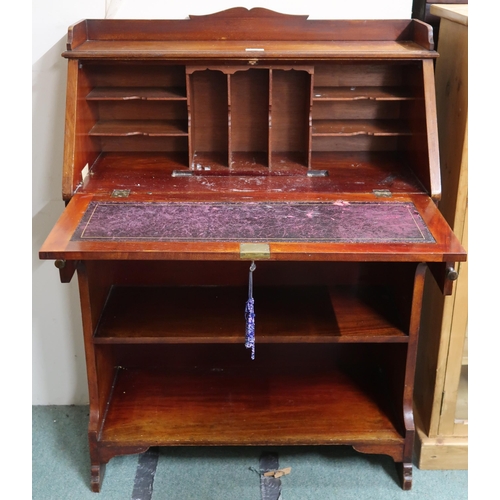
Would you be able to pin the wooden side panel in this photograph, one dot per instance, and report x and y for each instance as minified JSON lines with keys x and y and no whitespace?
{"x":94,"y":288}
{"x":79,"y":148}
{"x":421,"y":114}
{"x":77,"y":34}
{"x":432,"y":131}
{"x":69,"y":179}
{"x":423,"y":35}
{"x":416,"y":311}
{"x":428,"y":386}
{"x":452,"y":118}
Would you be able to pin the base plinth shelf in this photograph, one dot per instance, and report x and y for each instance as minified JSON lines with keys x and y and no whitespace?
{"x":216,"y":401}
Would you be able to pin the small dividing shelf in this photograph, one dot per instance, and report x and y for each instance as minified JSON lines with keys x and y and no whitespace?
{"x":152,"y":128}
{"x":280,"y":398}
{"x":137,"y":93}
{"x":362,"y":93}
{"x":316,"y":314}
{"x":346,"y":128}
{"x":248,"y":162}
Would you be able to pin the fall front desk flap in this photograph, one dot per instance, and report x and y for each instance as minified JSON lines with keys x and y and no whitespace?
{"x":410,"y":228}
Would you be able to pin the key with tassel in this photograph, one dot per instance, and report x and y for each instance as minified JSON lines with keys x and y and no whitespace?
{"x":250,"y":314}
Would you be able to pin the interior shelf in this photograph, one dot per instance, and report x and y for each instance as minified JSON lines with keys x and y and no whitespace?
{"x":152,"y":128}
{"x":293,"y":162}
{"x":362,"y":93}
{"x":210,"y":161}
{"x":249,"y":160}
{"x":359,"y":127}
{"x":313,"y":314}
{"x":137,"y":93}
{"x":152,"y":172}
{"x":277,"y":399}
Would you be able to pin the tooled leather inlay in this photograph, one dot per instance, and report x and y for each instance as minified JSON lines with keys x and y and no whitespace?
{"x":340,"y":221}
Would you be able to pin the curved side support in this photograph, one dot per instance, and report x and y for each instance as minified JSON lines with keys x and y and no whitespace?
{"x":405,"y":467}
{"x":106,"y":453}
{"x":96,"y":476}
{"x":398,"y":454}
{"x":416,"y":311}
{"x":395,"y":451}
{"x":405,"y":471}
{"x":101,"y":455}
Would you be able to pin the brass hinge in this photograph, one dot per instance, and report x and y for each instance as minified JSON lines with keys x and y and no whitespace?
{"x":317,"y":173}
{"x":382,"y":193}
{"x":120,"y":193}
{"x":255,"y":251}
{"x":182,"y":173}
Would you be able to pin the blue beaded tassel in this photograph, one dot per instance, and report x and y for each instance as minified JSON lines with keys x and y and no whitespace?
{"x":250,"y":314}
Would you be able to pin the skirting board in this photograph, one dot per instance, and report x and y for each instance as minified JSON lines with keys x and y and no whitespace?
{"x":440,"y":452}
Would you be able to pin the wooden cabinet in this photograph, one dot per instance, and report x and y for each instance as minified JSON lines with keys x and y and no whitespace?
{"x":441,"y":391}
{"x":197,"y":147}
{"x":424,"y":11}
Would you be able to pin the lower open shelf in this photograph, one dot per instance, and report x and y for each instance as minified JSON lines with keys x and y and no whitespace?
{"x":216,"y":395}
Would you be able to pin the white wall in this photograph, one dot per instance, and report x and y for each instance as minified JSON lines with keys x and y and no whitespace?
{"x":58,"y":368}
{"x":58,"y":362}
{"x":354,"y":9}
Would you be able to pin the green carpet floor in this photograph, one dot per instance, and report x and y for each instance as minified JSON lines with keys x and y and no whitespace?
{"x":61,"y":470}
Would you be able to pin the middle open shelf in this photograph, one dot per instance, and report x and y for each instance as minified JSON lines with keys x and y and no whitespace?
{"x":214,"y":314}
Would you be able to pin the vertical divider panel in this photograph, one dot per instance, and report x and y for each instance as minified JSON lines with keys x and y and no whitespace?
{"x":309,"y":119}
{"x":209,"y":118}
{"x":189,"y":116}
{"x":250,"y":119}
{"x":229,"y":129}
{"x":270,"y":128}
{"x":291,"y":117}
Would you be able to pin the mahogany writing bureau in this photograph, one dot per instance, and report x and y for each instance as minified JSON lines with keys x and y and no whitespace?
{"x":194,"y":148}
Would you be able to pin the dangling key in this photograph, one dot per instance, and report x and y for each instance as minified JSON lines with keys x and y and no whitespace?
{"x":250,"y":314}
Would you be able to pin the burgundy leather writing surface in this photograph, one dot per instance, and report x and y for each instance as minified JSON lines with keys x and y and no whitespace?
{"x":371,"y":222}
